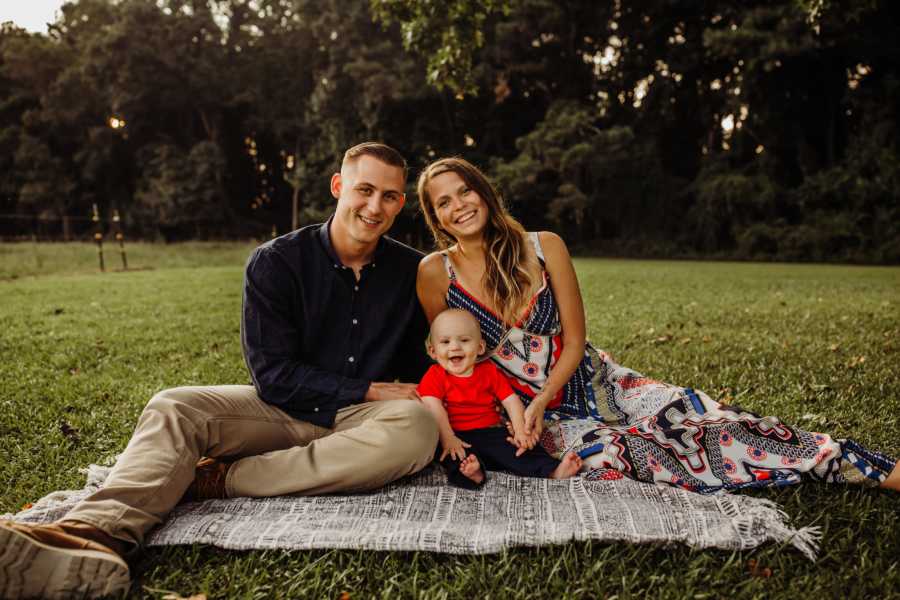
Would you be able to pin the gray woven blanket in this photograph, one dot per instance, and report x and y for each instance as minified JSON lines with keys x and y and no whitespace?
{"x":422,"y":512}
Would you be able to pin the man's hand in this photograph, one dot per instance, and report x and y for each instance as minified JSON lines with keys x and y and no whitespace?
{"x":391,"y":391}
{"x":455,"y":447}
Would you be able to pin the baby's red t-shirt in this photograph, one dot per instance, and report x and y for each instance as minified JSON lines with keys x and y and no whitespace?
{"x":469,"y":400}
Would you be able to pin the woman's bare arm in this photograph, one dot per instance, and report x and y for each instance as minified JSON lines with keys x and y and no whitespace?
{"x":516,"y":412}
{"x":564,"y":283}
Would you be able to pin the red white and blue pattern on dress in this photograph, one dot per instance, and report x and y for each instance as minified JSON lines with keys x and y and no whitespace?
{"x":626,"y":425}
{"x":527,"y":351}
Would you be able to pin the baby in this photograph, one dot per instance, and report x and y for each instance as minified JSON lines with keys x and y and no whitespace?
{"x":468,"y":391}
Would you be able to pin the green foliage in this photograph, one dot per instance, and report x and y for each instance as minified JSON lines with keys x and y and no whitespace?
{"x":586,"y":182}
{"x":726,"y":203}
{"x":851,"y":11}
{"x":90,"y":350}
{"x":46,"y":181}
{"x":448,"y":33}
{"x":852,"y":211}
{"x":178,"y":188}
{"x":604,"y":121}
{"x":230,"y":111}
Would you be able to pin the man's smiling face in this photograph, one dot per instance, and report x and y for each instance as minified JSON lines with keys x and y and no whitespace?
{"x":369,"y":197}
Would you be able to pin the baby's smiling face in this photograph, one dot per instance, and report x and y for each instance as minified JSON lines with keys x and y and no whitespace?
{"x":455,"y":342}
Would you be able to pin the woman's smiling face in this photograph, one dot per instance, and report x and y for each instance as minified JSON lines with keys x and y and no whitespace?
{"x":460,"y":210}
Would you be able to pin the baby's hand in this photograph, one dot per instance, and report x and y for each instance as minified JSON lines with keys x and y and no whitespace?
{"x":455,"y":447}
{"x":523,"y":442}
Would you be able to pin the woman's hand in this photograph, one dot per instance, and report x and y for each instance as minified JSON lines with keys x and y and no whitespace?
{"x":455,"y":447}
{"x":534,"y":416}
{"x":523,"y":442}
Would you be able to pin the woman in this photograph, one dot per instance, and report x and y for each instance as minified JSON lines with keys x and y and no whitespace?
{"x":523,"y":290}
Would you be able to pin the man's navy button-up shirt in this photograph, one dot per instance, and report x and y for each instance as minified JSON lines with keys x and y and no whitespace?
{"x":314,"y":337}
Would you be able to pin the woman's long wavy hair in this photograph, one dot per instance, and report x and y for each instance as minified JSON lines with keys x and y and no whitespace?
{"x":507,"y":279}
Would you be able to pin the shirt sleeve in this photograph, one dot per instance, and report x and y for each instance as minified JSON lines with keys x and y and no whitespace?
{"x":411,"y":360}
{"x":502,"y":390}
{"x":432,"y":383}
{"x":271,"y":342}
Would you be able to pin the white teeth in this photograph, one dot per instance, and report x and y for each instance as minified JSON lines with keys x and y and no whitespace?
{"x":369,"y":221}
{"x":465,"y":217}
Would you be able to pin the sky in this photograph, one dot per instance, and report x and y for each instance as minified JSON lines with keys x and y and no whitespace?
{"x":33,"y":15}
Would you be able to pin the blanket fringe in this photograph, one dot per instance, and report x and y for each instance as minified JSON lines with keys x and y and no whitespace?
{"x":737,"y":522}
{"x":96,"y":475}
{"x":764,"y":520}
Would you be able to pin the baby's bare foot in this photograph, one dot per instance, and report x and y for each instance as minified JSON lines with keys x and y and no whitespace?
{"x":471,"y":468}
{"x":568,"y":467}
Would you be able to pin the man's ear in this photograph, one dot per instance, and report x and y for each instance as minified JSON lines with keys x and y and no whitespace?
{"x":336,"y":185}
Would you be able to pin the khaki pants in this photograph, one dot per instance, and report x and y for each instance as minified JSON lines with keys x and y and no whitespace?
{"x":371,"y":444}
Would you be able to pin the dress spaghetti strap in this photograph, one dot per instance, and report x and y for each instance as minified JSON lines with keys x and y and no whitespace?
{"x":536,"y":242}
{"x":448,"y":266}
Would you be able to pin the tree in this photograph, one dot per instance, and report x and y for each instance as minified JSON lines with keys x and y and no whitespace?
{"x":15,"y":99}
{"x":448,"y":33}
{"x":47,"y":133}
{"x":174,"y":192}
{"x":770,"y":127}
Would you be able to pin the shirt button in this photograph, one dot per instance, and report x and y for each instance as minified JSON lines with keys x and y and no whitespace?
{"x":335,"y":266}
{"x":316,"y":409}
{"x":355,"y":321}
{"x":355,"y":288}
{"x":351,"y":359}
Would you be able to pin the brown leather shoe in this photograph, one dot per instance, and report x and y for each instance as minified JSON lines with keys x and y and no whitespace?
{"x":44,"y":561}
{"x":89,"y":532}
{"x":209,"y":480}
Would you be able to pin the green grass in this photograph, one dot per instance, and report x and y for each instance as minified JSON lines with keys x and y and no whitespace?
{"x":90,"y":349}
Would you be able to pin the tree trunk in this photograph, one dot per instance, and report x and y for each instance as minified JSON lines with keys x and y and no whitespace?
{"x":448,"y":118}
{"x":295,"y":206}
{"x":830,"y":129}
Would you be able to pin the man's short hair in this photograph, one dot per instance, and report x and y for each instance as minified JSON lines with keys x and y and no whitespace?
{"x":382,"y":152}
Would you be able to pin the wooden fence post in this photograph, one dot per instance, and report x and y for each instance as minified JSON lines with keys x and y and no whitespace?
{"x":98,"y":236}
{"x":117,"y":227}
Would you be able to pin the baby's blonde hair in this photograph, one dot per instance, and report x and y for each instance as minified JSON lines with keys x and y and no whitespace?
{"x":452,"y":311}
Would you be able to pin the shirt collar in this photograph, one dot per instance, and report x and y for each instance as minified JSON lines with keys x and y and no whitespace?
{"x":325,"y":239}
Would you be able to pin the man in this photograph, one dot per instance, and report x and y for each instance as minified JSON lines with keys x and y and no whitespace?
{"x":330,"y":319}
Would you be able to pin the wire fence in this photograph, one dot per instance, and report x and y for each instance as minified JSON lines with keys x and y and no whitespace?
{"x":22,"y":227}
{"x":18,"y":227}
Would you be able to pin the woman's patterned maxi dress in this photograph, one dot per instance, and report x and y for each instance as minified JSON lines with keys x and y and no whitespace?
{"x":624,"y":424}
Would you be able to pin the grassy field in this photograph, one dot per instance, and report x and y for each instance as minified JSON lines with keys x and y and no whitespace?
{"x":815,"y":345}
{"x":27,"y":259}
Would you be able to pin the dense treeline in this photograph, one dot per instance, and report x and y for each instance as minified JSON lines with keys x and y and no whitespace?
{"x":752,"y":129}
